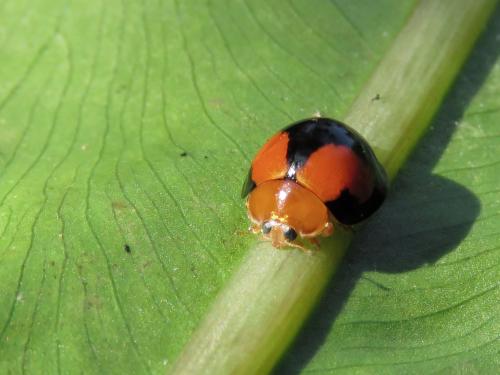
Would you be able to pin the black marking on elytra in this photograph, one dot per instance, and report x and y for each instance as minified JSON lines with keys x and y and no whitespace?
{"x":306,"y":136}
{"x":249,"y":185}
{"x":348,"y":210}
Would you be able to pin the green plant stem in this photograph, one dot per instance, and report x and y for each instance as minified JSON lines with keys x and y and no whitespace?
{"x":259,"y":312}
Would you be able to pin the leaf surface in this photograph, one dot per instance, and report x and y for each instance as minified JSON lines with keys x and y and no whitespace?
{"x":126,"y":129}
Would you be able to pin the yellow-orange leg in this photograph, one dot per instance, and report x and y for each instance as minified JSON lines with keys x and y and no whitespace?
{"x":328,"y":231}
{"x":284,"y":245}
{"x":297,"y":246}
{"x":254,"y":228}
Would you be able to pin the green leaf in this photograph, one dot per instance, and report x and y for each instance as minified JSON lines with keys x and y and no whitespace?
{"x":132,"y":123}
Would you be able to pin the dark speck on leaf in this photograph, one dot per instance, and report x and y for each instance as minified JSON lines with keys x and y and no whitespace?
{"x":127,"y":248}
{"x":376,"y":97}
{"x":184,"y":154}
{"x":205,"y":157}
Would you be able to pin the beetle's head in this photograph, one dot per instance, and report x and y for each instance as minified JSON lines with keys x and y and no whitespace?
{"x":278,"y":232}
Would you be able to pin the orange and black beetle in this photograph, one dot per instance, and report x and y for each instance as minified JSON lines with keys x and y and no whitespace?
{"x":309,"y":175}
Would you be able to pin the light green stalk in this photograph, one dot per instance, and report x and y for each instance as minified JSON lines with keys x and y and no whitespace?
{"x":259,"y":312}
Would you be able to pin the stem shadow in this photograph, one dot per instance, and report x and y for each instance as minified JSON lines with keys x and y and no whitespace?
{"x":419,"y":202}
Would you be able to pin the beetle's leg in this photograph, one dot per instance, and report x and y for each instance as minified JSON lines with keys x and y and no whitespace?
{"x":315,"y":242}
{"x":254,"y":228}
{"x":328,"y":229}
{"x":301,"y":248}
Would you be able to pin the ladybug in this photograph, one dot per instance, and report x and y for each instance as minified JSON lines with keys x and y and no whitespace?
{"x":308,"y":176}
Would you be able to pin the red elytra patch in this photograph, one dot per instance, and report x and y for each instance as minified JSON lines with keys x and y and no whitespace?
{"x":333,"y":168}
{"x":270,"y":163}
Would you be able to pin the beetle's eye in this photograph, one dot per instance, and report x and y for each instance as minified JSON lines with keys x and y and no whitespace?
{"x":290,"y":234}
{"x":266,"y":227}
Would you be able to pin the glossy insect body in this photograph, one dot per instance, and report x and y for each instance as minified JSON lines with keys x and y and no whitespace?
{"x":283,"y":209}
{"x":307,"y":176}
